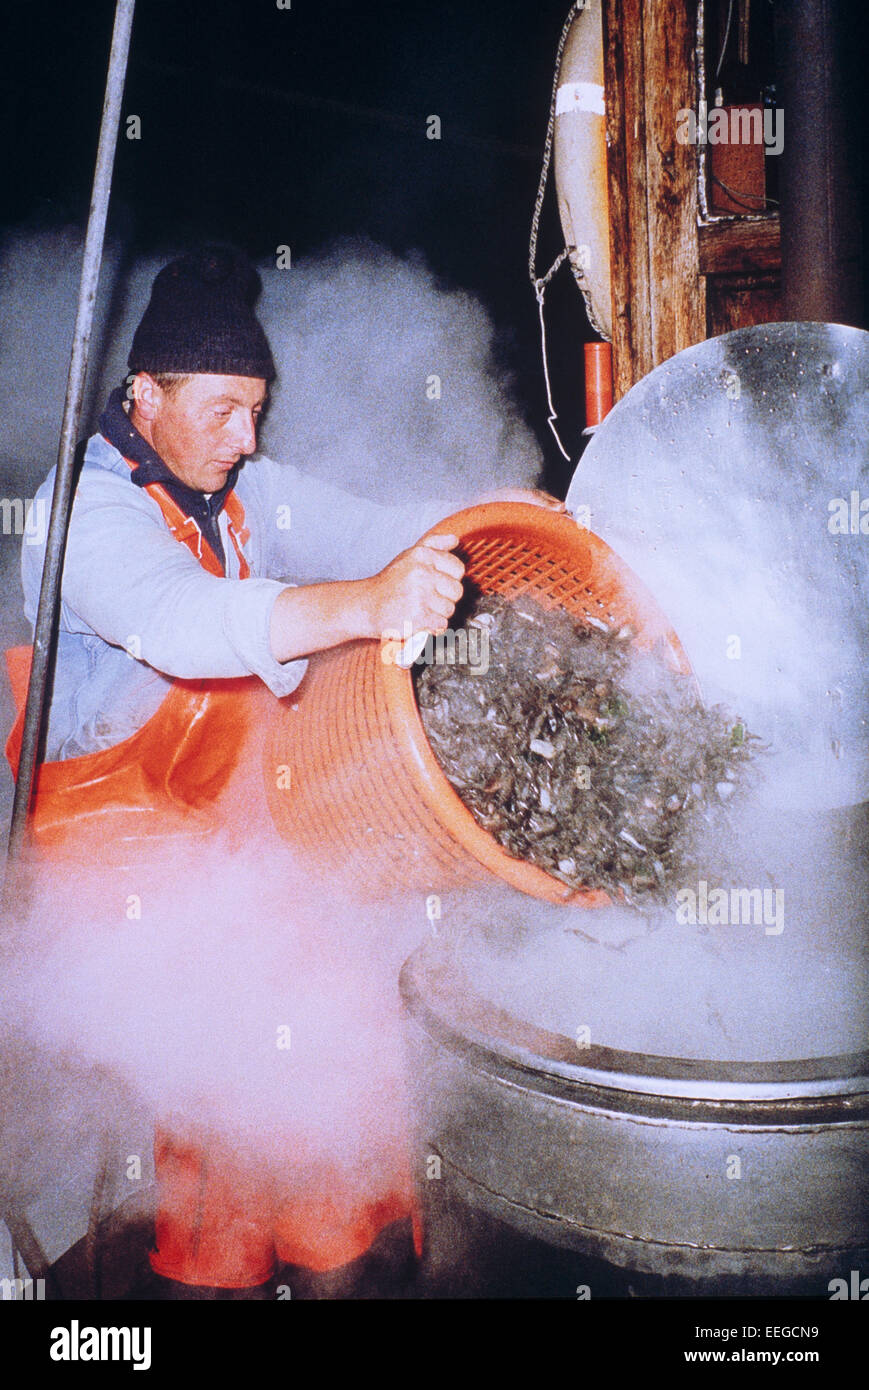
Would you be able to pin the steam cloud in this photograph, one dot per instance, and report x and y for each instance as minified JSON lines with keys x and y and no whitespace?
{"x":179,"y":1010}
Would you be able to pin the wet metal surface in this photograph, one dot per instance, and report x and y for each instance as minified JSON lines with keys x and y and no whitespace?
{"x":734,"y":479}
{"x":632,"y":1160}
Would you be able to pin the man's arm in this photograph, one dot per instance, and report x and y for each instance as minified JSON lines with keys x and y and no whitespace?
{"x":420,"y":587}
{"x":126,"y":578}
{"x":416,"y":592}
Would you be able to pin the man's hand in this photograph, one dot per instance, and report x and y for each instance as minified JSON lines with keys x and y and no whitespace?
{"x":419,"y":588}
{"x":525,"y":494}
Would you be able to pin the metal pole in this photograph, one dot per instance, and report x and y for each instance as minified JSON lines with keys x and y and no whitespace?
{"x":24,"y":1242}
{"x":819,"y":180}
{"x":49,"y":594}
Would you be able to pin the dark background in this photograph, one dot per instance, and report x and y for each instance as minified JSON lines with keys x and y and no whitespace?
{"x":266,"y":126}
{"x":269,"y":127}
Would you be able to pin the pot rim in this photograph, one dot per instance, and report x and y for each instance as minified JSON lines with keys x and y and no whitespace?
{"x":440,"y":996}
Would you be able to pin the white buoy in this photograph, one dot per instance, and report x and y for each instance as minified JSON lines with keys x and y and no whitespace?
{"x":580,"y":164}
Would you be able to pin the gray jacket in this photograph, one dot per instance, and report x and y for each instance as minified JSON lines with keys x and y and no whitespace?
{"x":137,"y":607}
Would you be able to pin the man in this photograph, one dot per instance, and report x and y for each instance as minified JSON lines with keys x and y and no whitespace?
{"x":185,"y":561}
{"x":137,"y":608}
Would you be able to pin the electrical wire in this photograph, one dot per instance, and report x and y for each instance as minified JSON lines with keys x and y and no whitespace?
{"x":724,"y":42}
{"x":739,"y":196}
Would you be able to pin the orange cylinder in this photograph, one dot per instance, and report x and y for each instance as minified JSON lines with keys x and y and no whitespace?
{"x":351,"y":780}
{"x":598,"y":382}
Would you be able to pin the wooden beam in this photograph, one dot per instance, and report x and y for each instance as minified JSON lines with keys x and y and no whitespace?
{"x":740,"y":247}
{"x":626,"y":177}
{"x":659,"y":300}
{"x":677,"y":297}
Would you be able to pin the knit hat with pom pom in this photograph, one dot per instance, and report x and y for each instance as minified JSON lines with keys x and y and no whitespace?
{"x":200,"y":318}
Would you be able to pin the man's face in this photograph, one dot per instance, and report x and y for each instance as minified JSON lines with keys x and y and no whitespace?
{"x":204,"y":427}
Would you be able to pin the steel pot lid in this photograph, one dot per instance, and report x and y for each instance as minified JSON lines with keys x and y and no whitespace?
{"x":734,"y":479}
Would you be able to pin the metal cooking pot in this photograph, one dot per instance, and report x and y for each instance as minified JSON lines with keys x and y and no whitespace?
{"x":733,"y":1177}
{"x":698,"y":1131}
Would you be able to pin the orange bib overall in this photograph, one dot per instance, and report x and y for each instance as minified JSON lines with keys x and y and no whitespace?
{"x":220,"y":1221}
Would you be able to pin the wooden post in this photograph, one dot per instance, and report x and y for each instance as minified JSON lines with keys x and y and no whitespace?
{"x":626,"y":177}
{"x":659,"y":302}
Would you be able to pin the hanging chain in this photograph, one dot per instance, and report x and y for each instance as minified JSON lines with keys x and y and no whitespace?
{"x":540,"y":284}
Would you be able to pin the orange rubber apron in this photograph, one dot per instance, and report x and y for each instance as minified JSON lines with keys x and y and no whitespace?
{"x":163,"y":779}
{"x":220,"y":1221}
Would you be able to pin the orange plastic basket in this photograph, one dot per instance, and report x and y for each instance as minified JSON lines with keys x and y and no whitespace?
{"x":351,"y":779}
